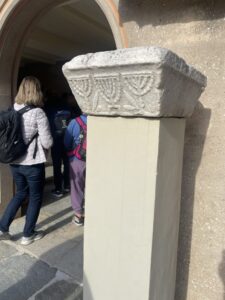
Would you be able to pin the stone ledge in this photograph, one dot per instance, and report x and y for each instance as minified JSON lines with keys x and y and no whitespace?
{"x":146,"y":81}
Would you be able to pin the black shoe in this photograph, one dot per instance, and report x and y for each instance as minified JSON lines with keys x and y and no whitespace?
{"x":4,"y":236}
{"x":79,"y":221}
{"x":57,"y":193}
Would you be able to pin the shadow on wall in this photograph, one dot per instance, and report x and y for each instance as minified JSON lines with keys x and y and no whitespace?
{"x":196,"y":130}
{"x":161,"y":12}
{"x":222,"y":271}
{"x":37,"y":274}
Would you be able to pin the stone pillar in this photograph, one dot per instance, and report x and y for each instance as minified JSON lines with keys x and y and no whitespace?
{"x":137,"y":100}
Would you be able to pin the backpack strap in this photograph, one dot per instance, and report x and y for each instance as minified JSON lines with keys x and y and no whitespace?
{"x":21,"y":112}
{"x":81,"y":123}
{"x":25,"y":109}
{"x":84,"y":127}
{"x":36,"y":145}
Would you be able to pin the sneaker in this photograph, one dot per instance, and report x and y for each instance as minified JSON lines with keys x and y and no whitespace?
{"x":4,"y":236}
{"x":79,"y":221}
{"x":35,"y":237}
{"x":66,"y":190}
{"x":57,"y":193}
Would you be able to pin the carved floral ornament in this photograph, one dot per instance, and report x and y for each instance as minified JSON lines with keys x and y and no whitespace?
{"x":124,"y":86}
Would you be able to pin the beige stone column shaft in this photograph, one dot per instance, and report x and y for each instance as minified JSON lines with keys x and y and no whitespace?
{"x":137,"y":100}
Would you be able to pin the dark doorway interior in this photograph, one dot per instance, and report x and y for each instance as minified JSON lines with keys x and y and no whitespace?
{"x":68,"y":30}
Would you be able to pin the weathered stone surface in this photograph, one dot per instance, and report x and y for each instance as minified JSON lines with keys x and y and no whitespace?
{"x":67,"y":257}
{"x":6,"y":250}
{"x":62,"y":245}
{"x":145,"y":81}
{"x":61,"y":290}
{"x":21,"y":276}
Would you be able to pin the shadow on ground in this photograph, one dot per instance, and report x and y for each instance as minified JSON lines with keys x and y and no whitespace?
{"x":51,"y":268}
{"x":23,"y":276}
{"x":51,"y":220}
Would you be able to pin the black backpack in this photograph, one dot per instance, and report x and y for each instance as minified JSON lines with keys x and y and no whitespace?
{"x":61,"y":121}
{"x":12,"y":145}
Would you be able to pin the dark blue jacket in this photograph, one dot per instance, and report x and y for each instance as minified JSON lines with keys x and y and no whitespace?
{"x":53,"y":110}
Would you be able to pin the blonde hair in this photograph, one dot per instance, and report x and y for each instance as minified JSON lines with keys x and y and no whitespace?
{"x":29,"y":92}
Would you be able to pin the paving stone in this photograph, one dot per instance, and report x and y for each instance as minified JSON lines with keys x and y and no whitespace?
{"x":53,"y":206}
{"x":61,"y":290}
{"x":22,"y":276}
{"x":6,"y":250}
{"x":62,"y":247}
{"x":67,"y":257}
{"x":55,"y":215}
{"x":50,"y":206}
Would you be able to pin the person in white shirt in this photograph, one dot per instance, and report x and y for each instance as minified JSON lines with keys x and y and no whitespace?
{"x":28,"y":171}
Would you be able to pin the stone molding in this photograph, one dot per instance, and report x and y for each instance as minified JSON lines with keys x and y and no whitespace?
{"x":146,"y":81}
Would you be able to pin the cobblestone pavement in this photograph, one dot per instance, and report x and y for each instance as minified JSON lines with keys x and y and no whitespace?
{"x":47,"y":269}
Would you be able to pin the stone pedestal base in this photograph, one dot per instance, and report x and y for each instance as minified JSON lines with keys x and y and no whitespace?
{"x":133,"y":185}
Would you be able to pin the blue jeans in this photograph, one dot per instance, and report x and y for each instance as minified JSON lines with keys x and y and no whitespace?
{"x":29,"y":180}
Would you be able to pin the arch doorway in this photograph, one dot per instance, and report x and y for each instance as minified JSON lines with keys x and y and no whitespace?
{"x":48,"y":33}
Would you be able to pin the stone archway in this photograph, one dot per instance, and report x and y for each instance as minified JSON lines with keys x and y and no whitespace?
{"x":17,"y":17}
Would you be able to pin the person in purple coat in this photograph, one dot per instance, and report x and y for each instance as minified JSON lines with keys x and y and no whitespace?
{"x":75,"y":143}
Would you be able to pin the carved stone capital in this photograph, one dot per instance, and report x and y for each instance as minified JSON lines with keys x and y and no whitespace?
{"x":146,"y":81}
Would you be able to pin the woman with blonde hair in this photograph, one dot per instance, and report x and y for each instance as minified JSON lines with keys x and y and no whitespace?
{"x":28,"y":171}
